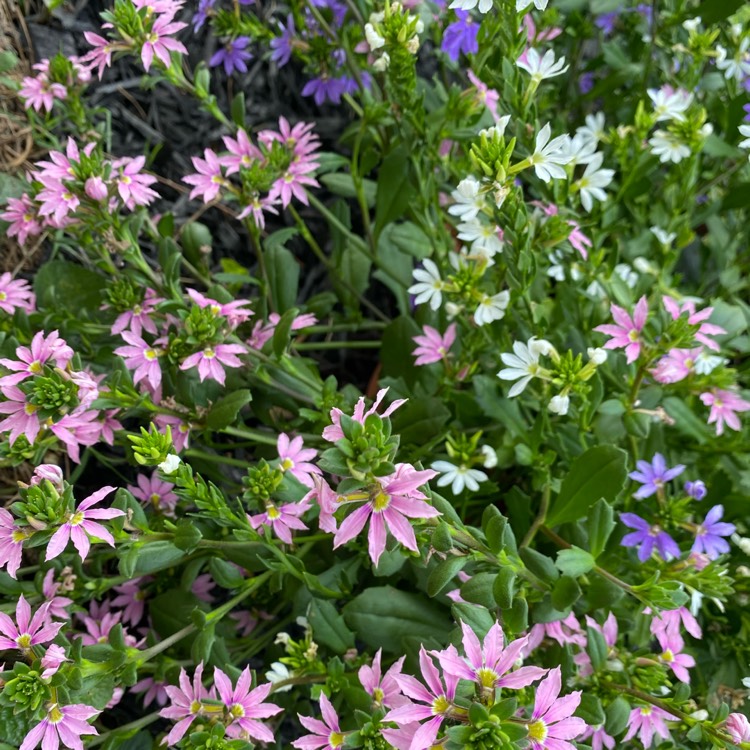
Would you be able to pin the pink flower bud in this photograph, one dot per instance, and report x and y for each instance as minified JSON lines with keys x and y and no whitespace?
{"x":96,"y":189}
{"x":738,"y":727}
{"x":48,"y":471}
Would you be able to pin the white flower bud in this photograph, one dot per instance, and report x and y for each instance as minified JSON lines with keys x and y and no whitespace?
{"x":540,"y":346}
{"x":373,"y":38}
{"x":382,"y":63}
{"x":419,"y":26}
{"x":170,"y":464}
{"x":597,"y":355}
{"x":413,"y":45}
{"x":559,"y":404}
{"x":490,"y":457}
{"x":692,"y":24}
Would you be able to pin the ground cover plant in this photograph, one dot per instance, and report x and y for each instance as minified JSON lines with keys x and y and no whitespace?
{"x":382,"y":379}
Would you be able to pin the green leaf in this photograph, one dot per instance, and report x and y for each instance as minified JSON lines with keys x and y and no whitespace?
{"x":504,"y":587}
{"x":565,"y":593}
{"x":283,"y":276}
{"x":712,"y":12}
{"x":187,"y":535}
{"x":478,"y":590}
{"x":282,"y":334}
{"x":574,"y":562}
{"x":493,"y":525}
{"x":686,"y":420}
{"x":393,"y":190}
{"x":443,"y":573}
{"x":618,"y":715}
{"x":477,"y":618}
{"x":540,"y":565}
{"x":597,"y":648}
{"x":410,"y":239}
{"x":156,"y":556}
{"x":417,"y":421}
{"x":599,"y":473}
{"x":203,"y":644}
{"x":224,"y":412}
{"x":329,"y":627}
{"x":382,"y":616}
{"x":172,"y":611}
{"x":340,"y":183}
{"x":516,"y":619}
{"x":60,"y":284}
{"x":600,"y":525}
{"x":225,"y":574}
{"x":237,"y":110}
{"x":590,"y":710}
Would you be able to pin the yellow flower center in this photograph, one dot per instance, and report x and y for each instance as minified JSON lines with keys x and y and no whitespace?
{"x":195,"y":707}
{"x":76,"y":519}
{"x":667,"y":656}
{"x":209,"y":353}
{"x":236,"y":710}
{"x":3,"y":296}
{"x":487,"y":677}
{"x":440,"y":705}
{"x":336,"y":739}
{"x":24,"y":641}
{"x":538,"y":731}
{"x":35,"y":367}
{"x":633,"y":335}
{"x":380,"y":502}
{"x":287,"y":464}
{"x":125,"y":180}
{"x":273,"y":512}
{"x":378,"y":695}
{"x":18,"y":536}
{"x":55,"y":715}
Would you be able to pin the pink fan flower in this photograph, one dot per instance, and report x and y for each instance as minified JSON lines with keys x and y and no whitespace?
{"x":142,"y":358}
{"x":155,"y":492}
{"x":647,"y":722}
{"x":138,"y":318}
{"x":15,"y":294}
{"x":44,"y":348}
{"x":599,"y":738}
{"x":397,"y":500}
{"x":299,"y":139}
{"x":552,"y":722}
{"x":81,"y":525}
{"x":671,"y":655}
{"x":292,"y":185}
{"x":21,"y":417}
{"x":486,"y":664}
{"x":676,"y":365}
{"x":21,"y":214}
{"x":180,"y":429}
{"x":210,"y":360}
{"x":52,"y":660}
{"x":626,"y":333}
{"x":326,"y":734}
{"x":333,"y":432}
{"x":62,"y":724}
{"x":577,"y":238}
{"x":29,"y":631}
{"x":97,"y":631}
{"x":432,"y":345}
{"x":208,"y":178}
{"x":39,"y":93}
{"x":202,"y":587}
{"x":724,"y":407}
{"x":186,"y":704}
{"x":131,"y":597}
{"x":246,"y":706}
{"x":233,"y":311}
{"x":294,"y":458}
{"x":154,"y":691}
{"x":485,"y":95}
{"x":382,"y":687}
{"x":101,"y":56}
{"x":255,"y":208}
{"x":328,"y":501}
{"x":738,"y":728}
{"x":11,"y":543}
{"x":669,"y":620}
{"x":282,"y":519}
{"x":242,"y":153}
{"x":695,"y":319}
{"x":264,"y":332}
{"x":58,"y":605}
{"x":158,"y":42}
{"x":433,"y":702}
{"x":132,"y":186}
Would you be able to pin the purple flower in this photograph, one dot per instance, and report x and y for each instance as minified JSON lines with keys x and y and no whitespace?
{"x":233,"y":55}
{"x":201,"y":15}
{"x":326,"y":89}
{"x":586,"y":82}
{"x":653,"y":476}
{"x":282,"y":45}
{"x":606,"y":22}
{"x":696,"y":489}
{"x":708,"y":536}
{"x":460,"y":36}
{"x":646,"y":537}
{"x":746,"y":107}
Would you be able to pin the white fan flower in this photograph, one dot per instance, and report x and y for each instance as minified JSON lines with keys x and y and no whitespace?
{"x":491,"y":308}
{"x":669,"y":103}
{"x":548,"y":157}
{"x":429,"y":286}
{"x":523,"y":364}
{"x":541,"y":68}
{"x":668,"y":147}
{"x":593,"y":130}
{"x":459,"y":477}
{"x":469,"y":200}
{"x":593,"y":181}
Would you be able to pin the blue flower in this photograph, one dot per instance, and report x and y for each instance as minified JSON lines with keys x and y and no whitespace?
{"x":460,"y":36}
{"x":233,"y":55}
{"x":647,"y":536}
{"x":653,"y":476}
{"x":709,"y":535}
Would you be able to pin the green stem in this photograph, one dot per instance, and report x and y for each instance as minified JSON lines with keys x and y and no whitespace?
{"x":337,"y":345}
{"x":125,"y":728}
{"x":541,"y":516}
